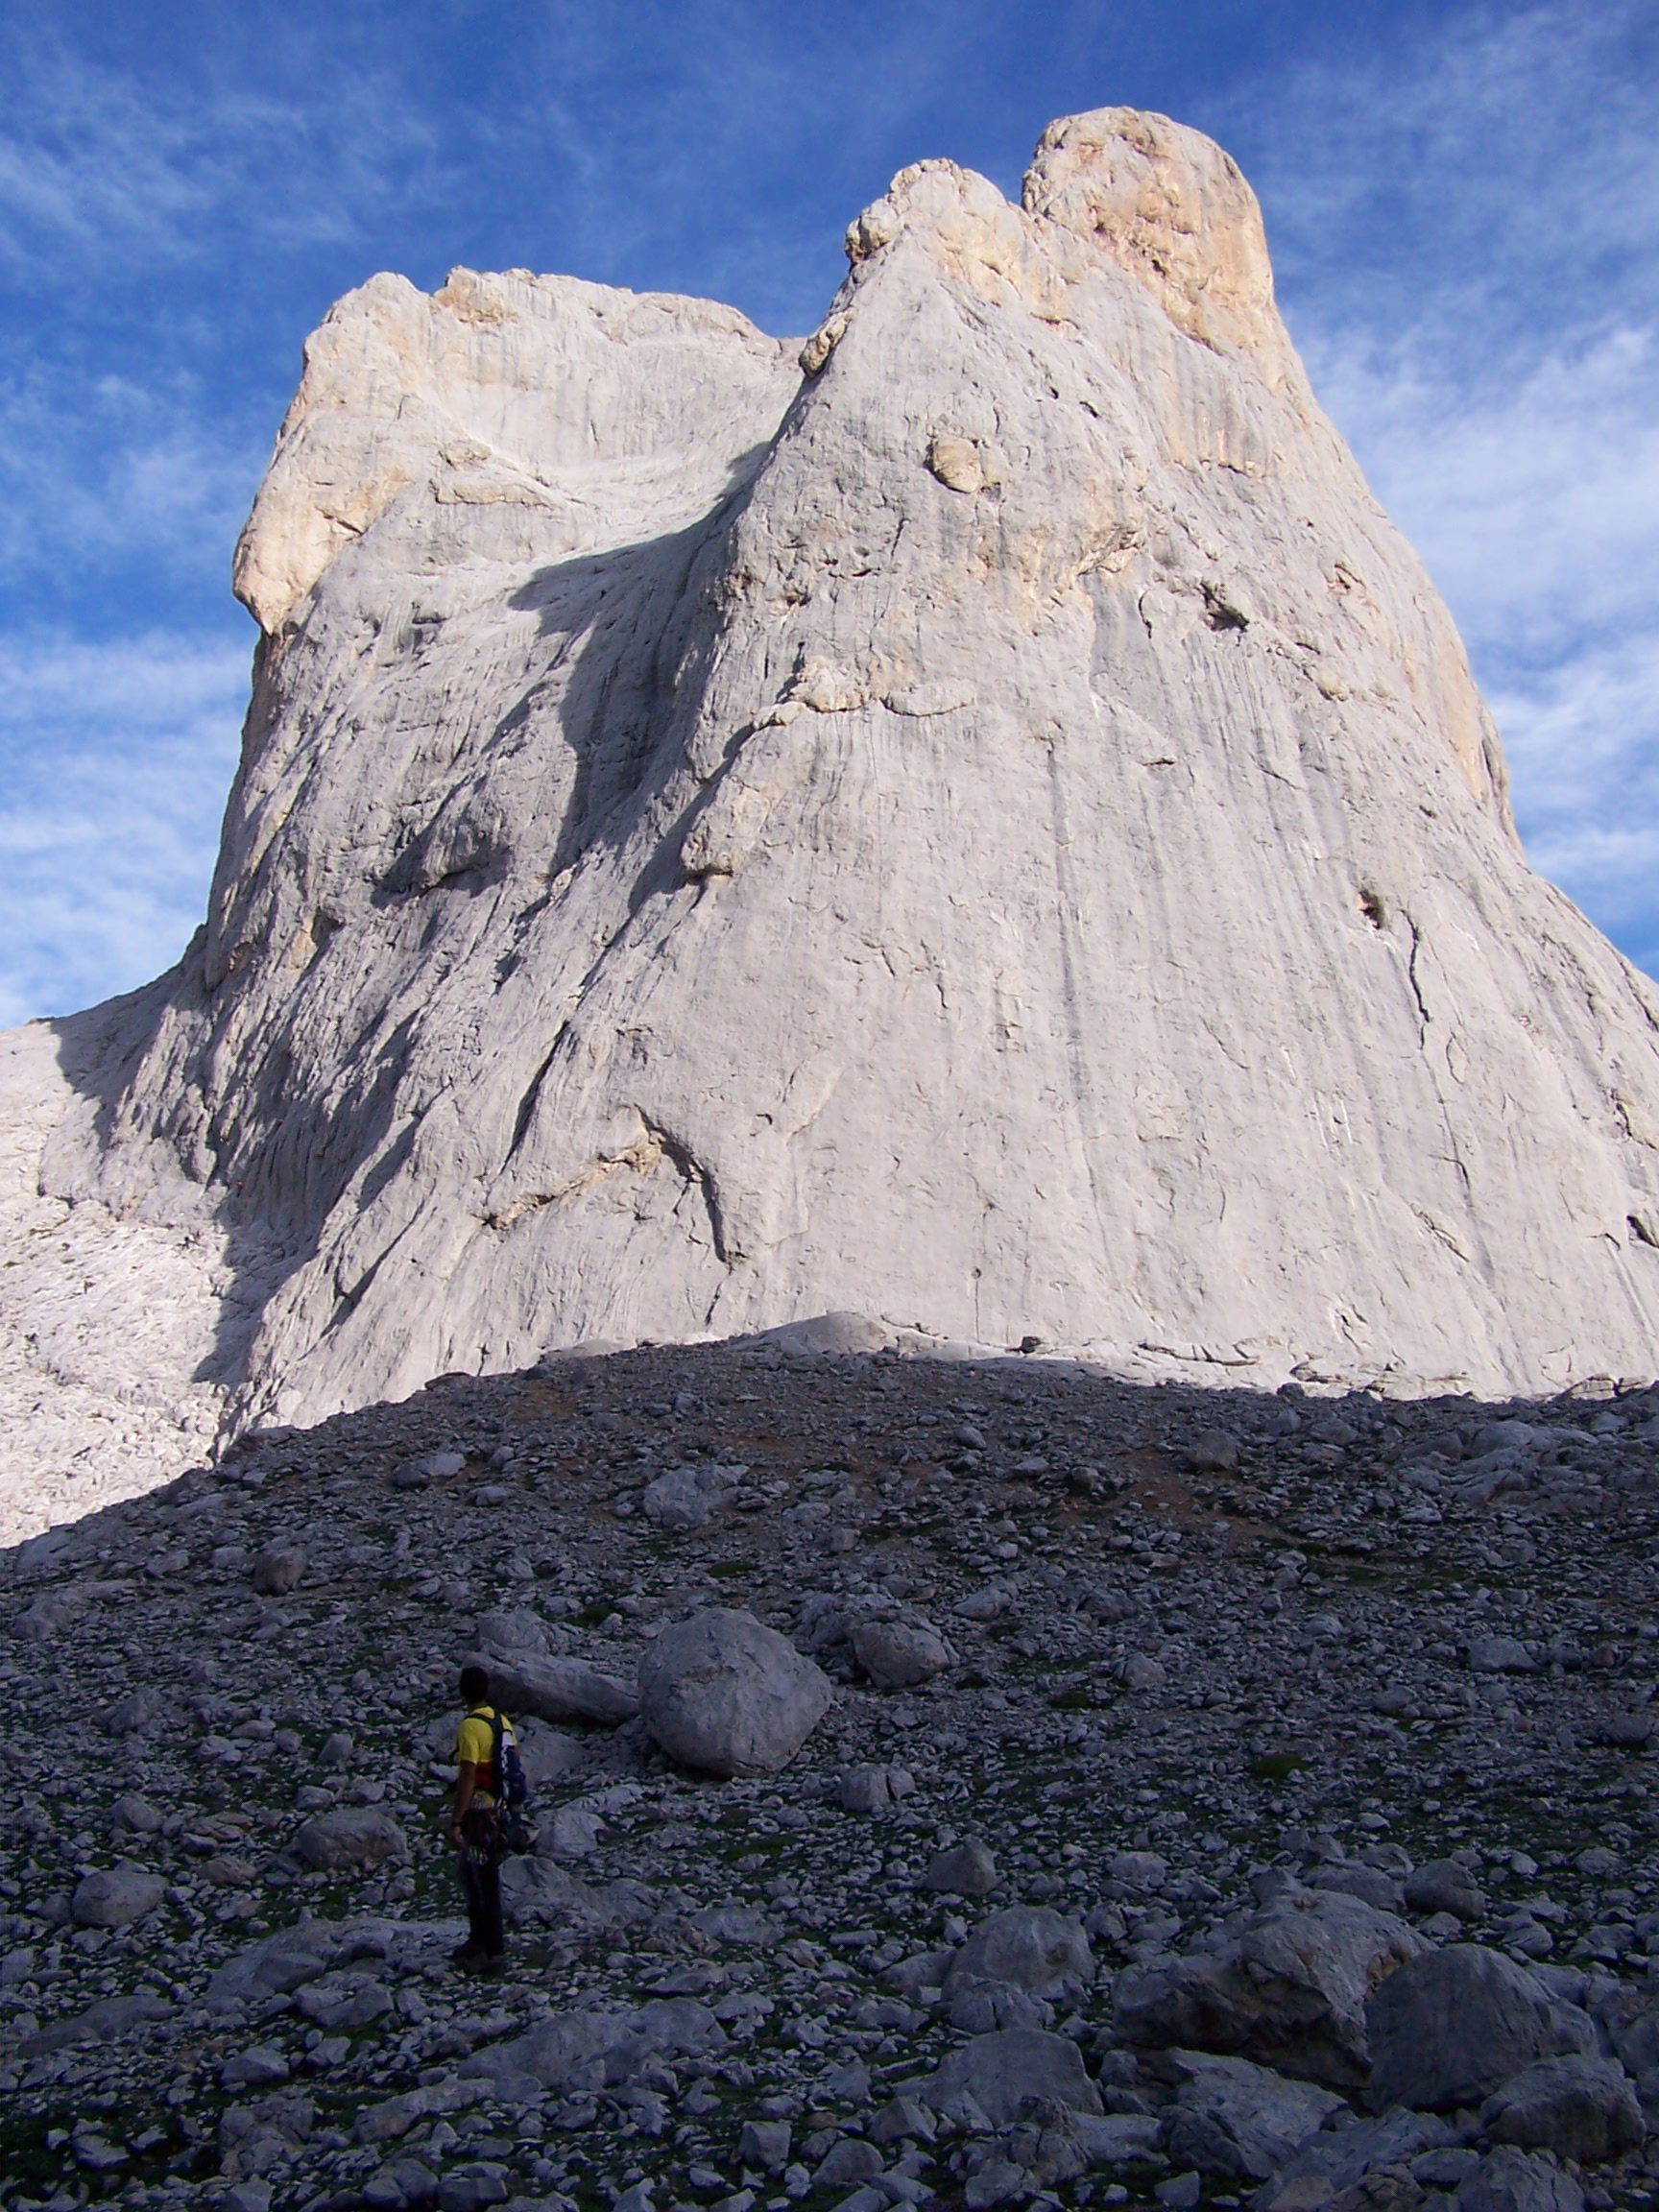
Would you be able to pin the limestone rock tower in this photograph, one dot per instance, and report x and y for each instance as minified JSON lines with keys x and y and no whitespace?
{"x":977,"y":819}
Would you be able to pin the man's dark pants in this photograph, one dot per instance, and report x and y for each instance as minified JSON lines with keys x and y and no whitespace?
{"x":481,"y":1887}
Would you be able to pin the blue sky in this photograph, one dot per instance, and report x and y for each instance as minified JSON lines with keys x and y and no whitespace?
{"x":1464,"y":204}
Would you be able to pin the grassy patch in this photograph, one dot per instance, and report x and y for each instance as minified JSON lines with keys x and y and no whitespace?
{"x":1275,"y":1765}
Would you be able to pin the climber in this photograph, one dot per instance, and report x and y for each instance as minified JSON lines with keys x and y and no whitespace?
{"x":475,"y":1825}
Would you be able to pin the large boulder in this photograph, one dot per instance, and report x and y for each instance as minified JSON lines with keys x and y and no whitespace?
{"x":999,"y":2071}
{"x":1443,"y":1885}
{"x":352,"y":1836}
{"x":117,"y":1896}
{"x":1290,"y":1992}
{"x":1452,"y":2026}
{"x":1512,"y":2180}
{"x":684,"y":1498}
{"x":1335,"y":2160}
{"x":1579,"y":2108}
{"x":1029,"y":1948}
{"x":828,"y":1335}
{"x":727,"y":1696}
{"x":1238,"y":2121}
{"x":900,"y":1657}
{"x":595,"y":2049}
{"x":558,"y":1689}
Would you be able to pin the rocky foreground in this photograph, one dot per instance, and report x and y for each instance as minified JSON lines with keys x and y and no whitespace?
{"x":1129,"y":1795}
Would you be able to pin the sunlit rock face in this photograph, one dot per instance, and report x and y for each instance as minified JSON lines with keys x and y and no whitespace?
{"x":978,"y":819}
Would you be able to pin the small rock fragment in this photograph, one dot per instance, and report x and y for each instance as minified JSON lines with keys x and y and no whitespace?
{"x":895,"y":1657}
{"x":966,"y":1869}
{"x":764,"y":2144}
{"x":278,"y":1568}
{"x":351,"y":1837}
{"x":117,"y":1897}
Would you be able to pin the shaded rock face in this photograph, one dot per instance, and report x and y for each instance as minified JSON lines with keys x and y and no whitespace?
{"x":1290,"y":1990}
{"x":1235,"y":2120}
{"x":985,"y":825}
{"x":1452,"y":2026}
{"x":1579,"y":2108}
{"x":1001,"y":2070}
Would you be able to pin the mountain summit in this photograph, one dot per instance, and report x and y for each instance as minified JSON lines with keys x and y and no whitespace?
{"x":977,"y":819}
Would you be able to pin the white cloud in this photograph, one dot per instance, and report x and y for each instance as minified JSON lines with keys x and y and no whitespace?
{"x":1536,"y":496}
{"x":105,"y":170}
{"x":1583,"y":743}
{"x":1492,"y":180}
{"x":95,"y":468}
{"x":1468,"y":249}
{"x":117,"y":756}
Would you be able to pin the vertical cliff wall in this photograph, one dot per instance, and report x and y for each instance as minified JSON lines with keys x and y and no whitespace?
{"x":979,"y":819}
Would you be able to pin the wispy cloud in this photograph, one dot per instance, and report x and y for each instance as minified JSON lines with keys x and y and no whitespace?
{"x":1501,"y":164}
{"x":1468,"y":249}
{"x":1583,"y":740}
{"x":1538,"y":490}
{"x":116,"y":758}
{"x":99,"y":468}
{"x":101,"y":169}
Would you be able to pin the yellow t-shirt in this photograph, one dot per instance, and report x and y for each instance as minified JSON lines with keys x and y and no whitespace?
{"x":475,"y":1746}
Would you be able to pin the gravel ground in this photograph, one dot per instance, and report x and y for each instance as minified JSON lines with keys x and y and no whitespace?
{"x":1191,"y":1635}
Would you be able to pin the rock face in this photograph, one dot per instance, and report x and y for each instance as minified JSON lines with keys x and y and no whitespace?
{"x":1583,"y":2108}
{"x":1292,"y":1990}
{"x":117,"y":1896}
{"x":1452,"y":2026}
{"x":1236,"y":2119}
{"x":985,"y":824}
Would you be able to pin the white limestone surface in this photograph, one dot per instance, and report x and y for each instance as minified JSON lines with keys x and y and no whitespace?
{"x":984,"y":826}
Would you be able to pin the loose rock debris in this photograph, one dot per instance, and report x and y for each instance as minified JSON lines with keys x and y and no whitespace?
{"x":1198,"y":1797}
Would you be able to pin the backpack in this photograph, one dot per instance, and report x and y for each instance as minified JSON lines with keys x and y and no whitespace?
{"x":512,"y":1788}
